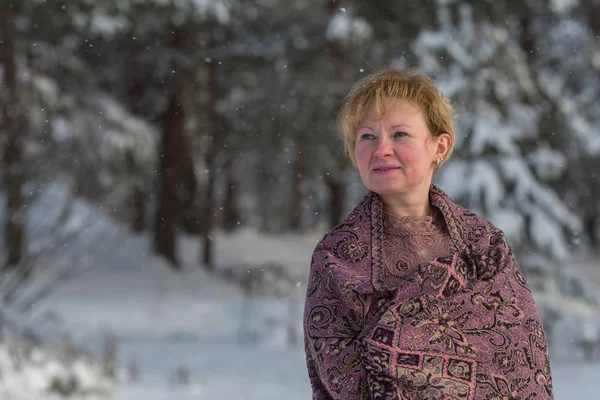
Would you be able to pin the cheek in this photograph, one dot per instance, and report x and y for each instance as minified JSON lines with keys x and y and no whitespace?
{"x":362,"y":156}
{"x":414,"y":155}
{"x":409,"y":156}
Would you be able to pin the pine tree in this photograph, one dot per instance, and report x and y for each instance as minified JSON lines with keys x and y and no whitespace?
{"x":480,"y":66}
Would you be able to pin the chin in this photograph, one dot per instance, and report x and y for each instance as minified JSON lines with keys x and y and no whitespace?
{"x":387,"y":190}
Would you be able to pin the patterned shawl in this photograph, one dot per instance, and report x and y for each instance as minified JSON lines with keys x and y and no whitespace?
{"x":464,"y":326}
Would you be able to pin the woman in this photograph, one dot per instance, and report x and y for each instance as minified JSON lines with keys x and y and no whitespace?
{"x":413,"y":296}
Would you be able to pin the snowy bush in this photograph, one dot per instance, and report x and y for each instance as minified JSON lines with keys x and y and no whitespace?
{"x":28,"y":368}
{"x":271,"y":306}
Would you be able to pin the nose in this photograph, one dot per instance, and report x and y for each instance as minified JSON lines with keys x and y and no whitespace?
{"x":384,"y":147}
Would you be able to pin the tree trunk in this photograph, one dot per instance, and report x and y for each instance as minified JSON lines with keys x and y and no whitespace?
{"x":265,"y":203}
{"x":337,"y":188}
{"x":591,"y":209}
{"x":299,"y":195}
{"x":191,"y":218}
{"x":171,"y":179}
{"x":139,"y":189}
{"x":335,"y":48}
{"x":211,"y":156}
{"x":337,"y":193}
{"x":231,"y":213}
{"x":594,"y":17}
{"x":592,"y":222}
{"x":209,"y":211}
{"x":526,"y":41}
{"x":138,"y":209}
{"x":591,"y":225}
{"x":14,"y":130}
{"x":174,"y":188}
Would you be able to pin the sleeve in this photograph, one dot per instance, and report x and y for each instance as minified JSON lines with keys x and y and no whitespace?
{"x":319,"y":392}
{"x":334,"y":318}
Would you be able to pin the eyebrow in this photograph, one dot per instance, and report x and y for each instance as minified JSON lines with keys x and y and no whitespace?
{"x":391,"y":127}
{"x":399,"y":125}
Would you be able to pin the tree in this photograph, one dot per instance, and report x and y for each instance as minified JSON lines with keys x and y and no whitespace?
{"x":481,"y":67}
{"x":566,"y":63}
{"x":57,"y":126}
{"x":166,"y":44}
{"x":14,"y":128}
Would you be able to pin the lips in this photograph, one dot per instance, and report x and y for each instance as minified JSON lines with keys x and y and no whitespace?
{"x":385,"y":168}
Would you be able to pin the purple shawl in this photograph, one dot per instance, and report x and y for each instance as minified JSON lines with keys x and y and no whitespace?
{"x":464,"y":326}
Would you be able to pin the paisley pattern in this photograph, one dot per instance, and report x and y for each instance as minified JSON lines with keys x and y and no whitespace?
{"x":462,"y":326}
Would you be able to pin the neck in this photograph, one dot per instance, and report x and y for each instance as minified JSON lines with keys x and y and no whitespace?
{"x":413,"y":204}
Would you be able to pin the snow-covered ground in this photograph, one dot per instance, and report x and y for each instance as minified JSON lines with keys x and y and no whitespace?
{"x":183,"y":333}
{"x":167,"y":322}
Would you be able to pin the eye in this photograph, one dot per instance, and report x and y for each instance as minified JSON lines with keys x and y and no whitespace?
{"x":367,"y":136}
{"x":400,"y":134}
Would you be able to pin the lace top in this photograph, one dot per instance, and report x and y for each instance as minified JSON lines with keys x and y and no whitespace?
{"x":409,"y":241}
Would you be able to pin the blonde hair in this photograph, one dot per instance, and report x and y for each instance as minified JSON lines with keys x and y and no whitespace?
{"x":379,"y":89}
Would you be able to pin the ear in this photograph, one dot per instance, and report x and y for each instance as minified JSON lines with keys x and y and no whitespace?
{"x":443,"y":141}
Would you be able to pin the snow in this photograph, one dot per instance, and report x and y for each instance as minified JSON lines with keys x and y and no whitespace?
{"x":511,"y":222}
{"x":167,"y":320}
{"x":60,"y":128}
{"x":46,"y":88}
{"x":563,"y":6}
{"x":489,"y":130}
{"x":236,"y":330}
{"x":195,"y":334}
{"x":111,"y":18}
{"x":547,"y":235}
{"x":481,"y":183}
{"x":576,"y":381}
{"x":29,"y":370}
{"x":119,"y":130}
{"x":107,"y":26}
{"x":219,"y":10}
{"x":548,"y":163}
{"x":528,"y":187}
{"x":345,"y":28}
{"x":497,"y":169}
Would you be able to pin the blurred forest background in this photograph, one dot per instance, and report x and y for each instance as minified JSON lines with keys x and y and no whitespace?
{"x":197,"y":118}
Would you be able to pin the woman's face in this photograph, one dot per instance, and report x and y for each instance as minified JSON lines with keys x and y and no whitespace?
{"x":396,"y":153}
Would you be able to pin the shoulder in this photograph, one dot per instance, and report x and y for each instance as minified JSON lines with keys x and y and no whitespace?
{"x":477,"y":238}
{"x":487,"y":246}
{"x":470,"y":220}
{"x":471,"y":225}
{"x":347,"y":245}
{"x":354,"y":228}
